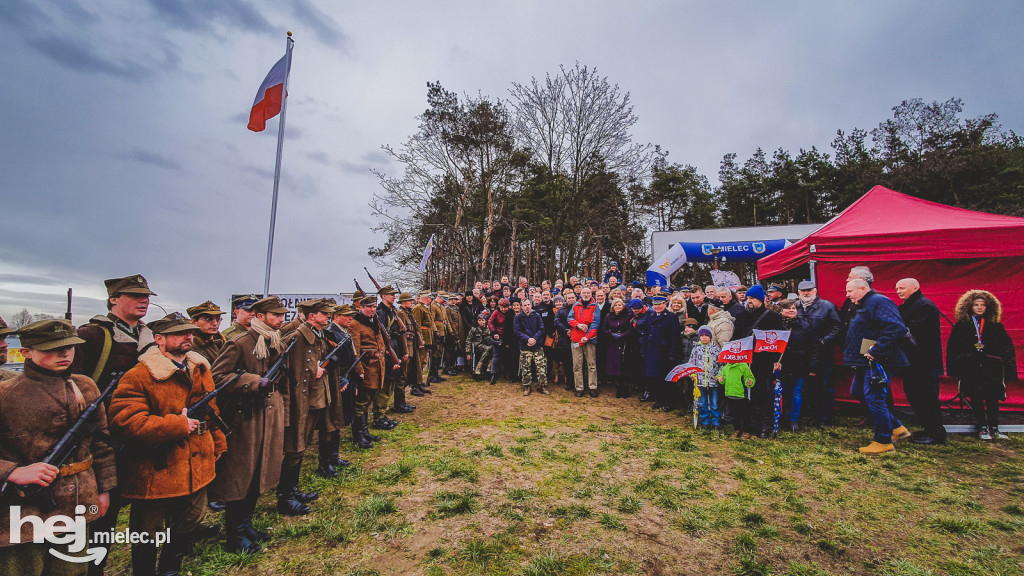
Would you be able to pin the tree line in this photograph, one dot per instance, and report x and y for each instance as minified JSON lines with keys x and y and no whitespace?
{"x":550,"y":181}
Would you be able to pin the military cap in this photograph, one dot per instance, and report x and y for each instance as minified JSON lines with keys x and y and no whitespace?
{"x":425,"y":294}
{"x":172,"y":323}
{"x":454,"y":296}
{"x":806,"y":285}
{"x":344,"y":310}
{"x":368,"y":301}
{"x":774,"y":288}
{"x":314,"y":306}
{"x":245,"y":302}
{"x":332,"y":301}
{"x":659,"y":299}
{"x":358,"y":295}
{"x":685,"y":289}
{"x":4,"y":329}
{"x":405,"y":297}
{"x":386,"y":290}
{"x":207,"y":308}
{"x":270,"y":304}
{"x":49,"y":334}
{"x":442,"y":294}
{"x":135,"y":284}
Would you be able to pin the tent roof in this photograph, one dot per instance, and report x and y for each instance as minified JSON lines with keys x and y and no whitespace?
{"x":884,"y":225}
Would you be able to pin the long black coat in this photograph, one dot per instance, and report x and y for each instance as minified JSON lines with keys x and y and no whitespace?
{"x":921,"y":316}
{"x":615,"y":332}
{"x":995,"y":363}
{"x":660,"y":343}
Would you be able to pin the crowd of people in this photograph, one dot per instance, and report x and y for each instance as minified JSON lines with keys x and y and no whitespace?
{"x":200,"y":418}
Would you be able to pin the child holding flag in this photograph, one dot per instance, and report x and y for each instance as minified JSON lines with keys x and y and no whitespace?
{"x":738,"y":380}
{"x":705,"y":356}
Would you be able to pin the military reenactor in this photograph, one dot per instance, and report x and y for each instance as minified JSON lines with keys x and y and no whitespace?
{"x":4,"y":333}
{"x":456,"y":334}
{"x":343,"y":415}
{"x":388,"y":317}
{"x":37,"y":407}
{"x":253,"y":408}
{"x":243,"y":316}
{"x":440,"y":335}
{"x":113,"y":343}
{"x":424,"y":318}
{"x":208,"y":340}
{"x":367,"y":340}
{"x":310,"y":396}
{"x":169,"y":458}
{"x":412,"y":369}
{"x":478,"y":346}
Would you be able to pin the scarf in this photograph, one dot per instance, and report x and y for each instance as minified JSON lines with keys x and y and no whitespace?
{"x":266,"y":332}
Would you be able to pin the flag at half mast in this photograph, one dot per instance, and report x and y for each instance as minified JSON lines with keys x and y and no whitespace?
{"x":269,"y":97}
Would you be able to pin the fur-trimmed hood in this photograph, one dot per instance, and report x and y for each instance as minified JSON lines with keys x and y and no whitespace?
{"x":161,"y":367}
{"x":993,"y":309}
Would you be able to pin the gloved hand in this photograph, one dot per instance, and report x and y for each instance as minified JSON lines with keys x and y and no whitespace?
{"x":265,"y":384}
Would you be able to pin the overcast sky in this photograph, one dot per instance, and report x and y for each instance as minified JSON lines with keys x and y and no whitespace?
{"x":125,"y":147}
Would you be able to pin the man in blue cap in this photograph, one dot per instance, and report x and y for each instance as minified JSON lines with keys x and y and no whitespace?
{"x":661,"y":341}
{"x":243,"y":316}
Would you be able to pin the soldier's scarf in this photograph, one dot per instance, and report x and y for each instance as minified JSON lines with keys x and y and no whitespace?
{"x":266,"y":332}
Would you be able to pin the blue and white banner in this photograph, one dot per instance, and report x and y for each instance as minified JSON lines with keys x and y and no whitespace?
{"x":661,"y":270}
{"x":731,"y":251}
{"x":426,"y":253}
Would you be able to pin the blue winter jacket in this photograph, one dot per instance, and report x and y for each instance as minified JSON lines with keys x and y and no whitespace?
{"x":528,"y":326}
{"x":876,"y":318}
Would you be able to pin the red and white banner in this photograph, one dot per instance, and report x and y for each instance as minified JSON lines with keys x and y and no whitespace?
{"x":682,"y":371}
{"x":771,"y":340}
{"x":737,"y":351}
{"x":269,"y":97}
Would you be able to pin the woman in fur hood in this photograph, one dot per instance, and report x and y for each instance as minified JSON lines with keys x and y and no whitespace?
{"x":980,"y":353}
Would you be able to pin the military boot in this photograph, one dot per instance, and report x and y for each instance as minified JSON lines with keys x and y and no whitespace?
{"x":287,"y":502}
{"x":144,"y":558}
{"x":239,"y":540}
{"x":357,"y":435}
{"x":172,"y":553}
{"x":366,"y":431}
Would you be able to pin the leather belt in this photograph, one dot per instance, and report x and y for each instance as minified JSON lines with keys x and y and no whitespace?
{"x":76,"y":467}
{"x":201,"y":429}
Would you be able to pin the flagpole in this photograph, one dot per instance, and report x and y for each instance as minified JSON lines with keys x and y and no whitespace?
{"x":277,"y":169}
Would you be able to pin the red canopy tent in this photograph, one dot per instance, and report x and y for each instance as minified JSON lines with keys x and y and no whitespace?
{"x":949,"y":250}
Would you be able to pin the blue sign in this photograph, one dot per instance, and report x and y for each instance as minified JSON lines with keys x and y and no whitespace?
{"x":731,"y":251}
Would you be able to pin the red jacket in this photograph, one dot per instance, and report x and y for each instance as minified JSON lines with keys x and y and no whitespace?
{"x":496,"y":324}
{"x":584,"y":321}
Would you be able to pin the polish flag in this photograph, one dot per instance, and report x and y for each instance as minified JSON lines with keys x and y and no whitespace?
{"x":737,"y":351}
{"x":682,"y":371}
{"x":771,"y":340}
{"x":269,"y":97}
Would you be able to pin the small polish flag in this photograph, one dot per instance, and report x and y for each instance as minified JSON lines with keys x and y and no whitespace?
{"x":682,"y":371}
{"x":269,"y":97}
{"x":771,"y":340}
{"x":737,"y":351}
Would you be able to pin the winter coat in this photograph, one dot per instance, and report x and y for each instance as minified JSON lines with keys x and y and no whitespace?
{"x":547,"y":316}
{"x":823,"y":321}
{"x":801,"y":356}
{"x":686,"y":344}
{"x":366,"y":337}
{"x":609,"y":273}
{"x":699,"y":313}
{"x":760,"y":318}
{"x":342,"y":408}
{"x":124,"y":349}
{"x":36,"y":408}
{"x":660,"y":343}
{"x":528,"y":326}
{"x":496,"y":323}
{"x":615,"y":332}
{"x":705,"y":356}
{"x":425,"y":320}
{"x":584,"y":319}
{"x":208,"y":346}
{"x":876,"y":318}
{"x":922,"y":318}
{"x":996,"y":362}
{"x":161,"y":458}
{"x":721,"y":326}
{"x":256,"y":419}
{"x":562,"y":328}
{"x":477,"y":337}
{"x":305,"y":391}
{"x":734,"y":307}
{"x":736,"y":378}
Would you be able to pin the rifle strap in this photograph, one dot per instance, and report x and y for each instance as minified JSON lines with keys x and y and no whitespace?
{"x":76,"y":467}
{"x":101,"y":364}
{"x":79,"y":398}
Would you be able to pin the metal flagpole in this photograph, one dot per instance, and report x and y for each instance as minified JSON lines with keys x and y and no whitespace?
{"x":277,"y":169}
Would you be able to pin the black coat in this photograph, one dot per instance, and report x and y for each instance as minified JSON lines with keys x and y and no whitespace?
{"x":921,"y":316}
{"x":995,"y":363}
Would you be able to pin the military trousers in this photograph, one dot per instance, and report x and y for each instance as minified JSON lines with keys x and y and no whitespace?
{"x":364,"y":397}
{"x":31,"y":559}
{"x":533,"y":365}
{"x":181,"y":513}
{"x":316,"y":421}
{"x":383,"y":396}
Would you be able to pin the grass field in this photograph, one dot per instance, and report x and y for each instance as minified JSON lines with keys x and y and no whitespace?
{"x":480,"y":480}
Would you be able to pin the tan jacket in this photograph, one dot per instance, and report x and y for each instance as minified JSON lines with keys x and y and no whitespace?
{"x":146,"y":411}
{"x":36,"y":409}
{"x":425,"y":321}
{"x":305,"y":391}
{"x":366,"y":338}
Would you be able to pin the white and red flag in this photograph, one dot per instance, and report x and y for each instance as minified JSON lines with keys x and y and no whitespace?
{"x":682,"y":371}
{"x":269,"y":97}
{"x":771,"y":340}
{"x":737,"y":351}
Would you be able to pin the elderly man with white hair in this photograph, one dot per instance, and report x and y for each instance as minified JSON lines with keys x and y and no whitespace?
{"x":921,"y":381}
{"x":823,"y":320}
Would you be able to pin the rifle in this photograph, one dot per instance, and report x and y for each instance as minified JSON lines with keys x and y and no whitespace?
{"x":67,"y":315}
{"x":401,"y":324}
{"x":383,"y":330}
{"x":59,"y":453}
{"x":203,"y":409}
{"x":275,"y":368}
{"x":330,"y":355}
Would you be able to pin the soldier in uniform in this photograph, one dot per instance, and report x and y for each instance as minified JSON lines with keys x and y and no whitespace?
{"x":388,"y":317}
{"x":113,"y":343}
{"x":243,"y":316}
{"x":169,"y":458}
{"x":411,"y":368}
{"x":208,"y":340}
{"x":253,"y":408}
{"x":440,"y":334}
{"x":424,"y":318}
{"x":36,"y":409}
{"x":367,"y":340}
{"x":310,"y":395}
{"x":456,"y":334}
{"x":4,"y":333}
{"x":341,"y":414}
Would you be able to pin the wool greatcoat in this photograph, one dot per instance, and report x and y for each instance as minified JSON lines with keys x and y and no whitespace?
{"x":305,"y":391}
{"x":425,"y":321}
{"x":208,"y":345}
{"x":146,"y":410}
{"x":36,"y":408}
{"x":256,"y":419}
{"x":413,"y":347}
{"x":366,"y":338}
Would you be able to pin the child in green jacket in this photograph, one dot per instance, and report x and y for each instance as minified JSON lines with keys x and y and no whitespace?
{"x":738,"y":379}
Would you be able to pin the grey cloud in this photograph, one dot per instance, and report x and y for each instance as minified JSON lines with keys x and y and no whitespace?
{"x":197,"y":16}
{"x":354,"y":168}
{"x":153,"y":159}
{"x":77,"y":54}
{"x":23,"y":14}
{"x":323,"y":26}
{"x":27,"y":279}
{"x":377,"y":157}
{"x":319,"y":157}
